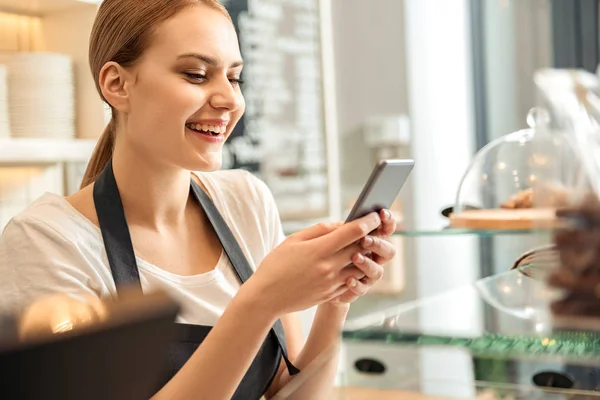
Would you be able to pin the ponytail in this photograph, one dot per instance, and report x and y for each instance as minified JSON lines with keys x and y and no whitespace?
{"x":101,"y":156}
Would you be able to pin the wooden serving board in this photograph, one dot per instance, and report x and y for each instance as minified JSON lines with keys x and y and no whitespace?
{"x":526,"y":218}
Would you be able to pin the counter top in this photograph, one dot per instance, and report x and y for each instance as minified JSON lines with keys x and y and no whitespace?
{"x":355,"y":393}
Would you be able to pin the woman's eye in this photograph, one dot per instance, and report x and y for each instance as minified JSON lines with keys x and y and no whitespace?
{"x":199,"y":78}
{"x":195,"y":77}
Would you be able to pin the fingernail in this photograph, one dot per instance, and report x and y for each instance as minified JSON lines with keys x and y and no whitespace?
{"x":387,"y":215}
{"x":360,"y":258}
{"x":352,"y":283}
{"x":368,"y":241}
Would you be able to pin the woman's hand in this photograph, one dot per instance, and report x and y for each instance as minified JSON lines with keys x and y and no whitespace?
{"x":309,"y":267}
{"x":367,"y":266}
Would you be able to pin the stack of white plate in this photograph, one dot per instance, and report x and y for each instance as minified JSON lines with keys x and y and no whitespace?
{"x":4,"y":125}
{"x":41,"y":95}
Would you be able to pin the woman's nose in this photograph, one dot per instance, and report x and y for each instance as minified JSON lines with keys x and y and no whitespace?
{"x":226,"y":96}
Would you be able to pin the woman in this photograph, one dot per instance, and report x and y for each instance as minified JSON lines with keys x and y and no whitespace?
{"x":170,"y":70}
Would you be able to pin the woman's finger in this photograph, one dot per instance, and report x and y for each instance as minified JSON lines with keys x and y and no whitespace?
{"x":388,"y":223}
{"x":358,"y":287}
{"x":351,"y":271}
{"x":315,"y":231}
{"x":347,"y":297}
{"x":368,"y":267}
{"x":344,"y":256}
{"x":347,"y":234}
{"x":382,"y":250}
{"x":340,"y":291}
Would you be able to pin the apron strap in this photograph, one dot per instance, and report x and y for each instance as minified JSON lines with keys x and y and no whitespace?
{"x":115,"y":232}
{"x":237,"y":258}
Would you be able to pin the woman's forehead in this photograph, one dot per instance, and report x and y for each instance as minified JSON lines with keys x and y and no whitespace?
{"x":198,"y":29}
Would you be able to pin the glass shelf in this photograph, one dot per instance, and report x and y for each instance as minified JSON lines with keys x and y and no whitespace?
{"x":474,"y":232}
{"x":502,"y":326}
{"x":456,"y":232}
{"x":508,"y":312}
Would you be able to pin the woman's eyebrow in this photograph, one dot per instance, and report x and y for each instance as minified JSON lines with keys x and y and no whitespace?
{"x":209,"y":60}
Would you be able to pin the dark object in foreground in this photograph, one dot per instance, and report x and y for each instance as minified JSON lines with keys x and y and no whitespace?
{"x":121,"y":357}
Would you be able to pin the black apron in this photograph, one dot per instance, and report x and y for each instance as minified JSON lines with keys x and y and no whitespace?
{"x":121,"y":258}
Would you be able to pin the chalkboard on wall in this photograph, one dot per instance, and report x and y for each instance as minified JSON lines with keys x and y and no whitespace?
{"x":281,"y":137}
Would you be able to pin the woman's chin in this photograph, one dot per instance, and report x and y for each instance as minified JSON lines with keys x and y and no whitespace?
{"x":207,"y":163}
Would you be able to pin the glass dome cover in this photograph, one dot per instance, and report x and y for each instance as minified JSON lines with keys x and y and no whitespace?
{"x":515,"y":181}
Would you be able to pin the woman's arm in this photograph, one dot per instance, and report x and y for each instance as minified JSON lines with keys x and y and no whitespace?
{"x":324,"y":338}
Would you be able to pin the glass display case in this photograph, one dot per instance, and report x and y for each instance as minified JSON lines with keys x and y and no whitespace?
{"x":494,"y":338}
{"x":530,"y":330}
{"x":516,"y":181}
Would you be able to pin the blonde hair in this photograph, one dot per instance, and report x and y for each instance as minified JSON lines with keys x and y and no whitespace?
{"x":121,"y":33}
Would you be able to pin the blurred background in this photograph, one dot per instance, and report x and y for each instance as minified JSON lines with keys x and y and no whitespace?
{"x":331,"y":87}
{"x":344,"y":83}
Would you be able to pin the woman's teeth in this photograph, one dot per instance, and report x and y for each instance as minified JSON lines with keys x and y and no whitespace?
{"x":204,"y":128}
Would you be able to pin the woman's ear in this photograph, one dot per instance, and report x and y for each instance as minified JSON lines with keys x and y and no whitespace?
{"x":112,"y":81}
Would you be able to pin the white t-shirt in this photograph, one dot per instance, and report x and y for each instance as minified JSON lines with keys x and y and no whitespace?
{"x":52,"y":248}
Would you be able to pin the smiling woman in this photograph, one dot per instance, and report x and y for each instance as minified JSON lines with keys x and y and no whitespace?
{"x":166,"y":69}
{"x":170,"y":71}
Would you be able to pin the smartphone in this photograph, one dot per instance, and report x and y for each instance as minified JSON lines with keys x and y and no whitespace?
{"x":382,"y":188}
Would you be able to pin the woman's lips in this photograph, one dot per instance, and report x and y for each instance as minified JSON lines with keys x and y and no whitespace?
{"x":207,"y":135}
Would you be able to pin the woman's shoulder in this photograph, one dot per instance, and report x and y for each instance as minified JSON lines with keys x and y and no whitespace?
{"x":46,"y":249}
{"x":238,"y":185}
{"x":52,"y":215}
{"x":249,"y":207}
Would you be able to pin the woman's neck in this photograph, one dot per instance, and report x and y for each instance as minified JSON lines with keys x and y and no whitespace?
{"x":152,"y":194}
